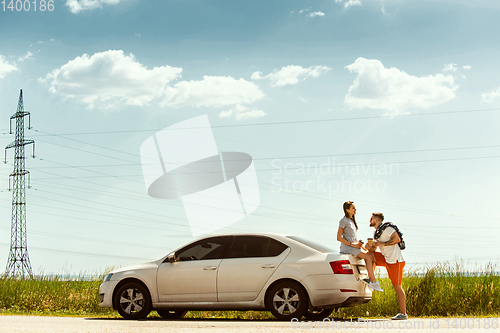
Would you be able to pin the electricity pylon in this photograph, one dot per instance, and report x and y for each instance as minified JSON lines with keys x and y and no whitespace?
{"x":18,"y":263}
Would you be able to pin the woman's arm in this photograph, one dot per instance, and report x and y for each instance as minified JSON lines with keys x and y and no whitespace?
{"x":345,"y":241}
{"x":340,"y":238}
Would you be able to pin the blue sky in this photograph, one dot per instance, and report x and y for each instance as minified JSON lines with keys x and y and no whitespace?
{"x":405,"y":94}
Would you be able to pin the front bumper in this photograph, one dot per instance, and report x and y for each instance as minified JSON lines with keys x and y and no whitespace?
{"x":106,"y":293}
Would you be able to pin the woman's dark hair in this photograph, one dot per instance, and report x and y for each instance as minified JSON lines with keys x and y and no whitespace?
{"x":346,"y":206}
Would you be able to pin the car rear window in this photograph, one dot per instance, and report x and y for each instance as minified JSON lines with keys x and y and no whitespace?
{"x":314,"y":245}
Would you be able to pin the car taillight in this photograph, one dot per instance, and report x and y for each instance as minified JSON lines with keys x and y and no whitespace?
{"x":341,"y":267}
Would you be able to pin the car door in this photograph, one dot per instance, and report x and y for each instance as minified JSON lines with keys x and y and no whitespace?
{"x":249,"y":264}
{"x":192,"y":277}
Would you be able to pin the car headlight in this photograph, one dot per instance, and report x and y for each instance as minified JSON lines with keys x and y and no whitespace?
{"x":107,"y":277}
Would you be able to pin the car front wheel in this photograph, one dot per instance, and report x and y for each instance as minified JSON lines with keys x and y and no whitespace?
{"x":133,"y":301}
{"x":287,"y":300}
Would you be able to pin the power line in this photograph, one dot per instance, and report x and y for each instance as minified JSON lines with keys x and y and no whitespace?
{"x":301,"y":121}
{"x":283,"y":157}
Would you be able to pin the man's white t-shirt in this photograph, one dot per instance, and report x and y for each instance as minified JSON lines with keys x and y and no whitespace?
{"x":391,"y":253}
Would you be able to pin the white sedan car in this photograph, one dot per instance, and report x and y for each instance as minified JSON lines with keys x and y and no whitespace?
{"x":287,"y":275}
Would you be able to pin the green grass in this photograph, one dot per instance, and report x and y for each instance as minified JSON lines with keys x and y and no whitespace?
{"x":438,"y":291}
{"x":51,"y":295}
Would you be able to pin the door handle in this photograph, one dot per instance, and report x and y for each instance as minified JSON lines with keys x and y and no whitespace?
{"x":268,"y":266}
{"x":210,"y":268}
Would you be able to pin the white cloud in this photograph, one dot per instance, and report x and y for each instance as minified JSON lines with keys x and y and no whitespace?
{"x":305,"y":10}
{"x":5,"y":67}
{"x":450,"y":68}
{"x":467,"y":67}
{"x":395,"y":91}
{"x":42,"y":42}
{"x":349,"y":3}
{"x":76,"y":6}
{"x":212,"y":91}
{"x":291,"y":74}
{"x":110,"y":76}
{"x":491,"y":97}
{"x":316,"y":14}
{"x":27,"y":56}
{"x":240,"y":112}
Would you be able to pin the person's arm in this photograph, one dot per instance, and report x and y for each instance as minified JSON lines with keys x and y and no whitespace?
{"x":345,"y":241}
{"x":392,"y":241}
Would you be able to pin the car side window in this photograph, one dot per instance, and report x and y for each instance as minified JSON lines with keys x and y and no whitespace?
{"x":205,"y":249}
{"x":255,"y":247}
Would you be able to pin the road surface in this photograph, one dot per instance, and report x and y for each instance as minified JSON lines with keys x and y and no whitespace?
{"x":35,"y":324}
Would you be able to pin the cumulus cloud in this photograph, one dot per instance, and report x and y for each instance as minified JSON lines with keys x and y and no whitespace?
{"x":212,"y":91}
{"x":348,"y":3}
{"x":395,"y":91}
{"x":76,"y":6}
{"x":491,"y":97}
{"x":467,"y":67}
{"x":319,"y":13}
{"x":290,"y":74}
{"x":241,"y":112}
{"x":110,"y":76}
{"x":5,"y":67}
{"x":450,"y":68}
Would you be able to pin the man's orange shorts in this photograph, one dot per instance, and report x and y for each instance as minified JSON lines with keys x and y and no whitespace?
{"x":395,"y":271}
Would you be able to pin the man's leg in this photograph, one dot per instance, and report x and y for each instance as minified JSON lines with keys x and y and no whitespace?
{"x":396,"y":276}
{"x":401,"y":298}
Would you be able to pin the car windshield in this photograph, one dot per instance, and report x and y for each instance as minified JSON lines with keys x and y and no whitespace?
{"x":315,"y":245}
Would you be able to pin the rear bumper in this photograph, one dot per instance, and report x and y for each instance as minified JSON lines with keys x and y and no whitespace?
{"x":331,"y":291}
{"x":352,"y":301}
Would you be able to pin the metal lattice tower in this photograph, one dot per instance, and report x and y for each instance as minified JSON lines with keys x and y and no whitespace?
{"x":18,"y":263}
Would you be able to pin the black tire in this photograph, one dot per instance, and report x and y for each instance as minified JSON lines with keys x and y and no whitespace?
{"x":133,"y":301}
{"x":318,"y":315}
{"x":171,"y":314}
{"x":287,"y":300}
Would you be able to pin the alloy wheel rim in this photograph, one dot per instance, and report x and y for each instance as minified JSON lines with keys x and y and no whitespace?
{"x":286,"y":301}
{"x":131,"y":301}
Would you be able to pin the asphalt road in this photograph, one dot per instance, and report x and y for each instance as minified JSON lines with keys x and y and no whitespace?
{"x":28,"y":324}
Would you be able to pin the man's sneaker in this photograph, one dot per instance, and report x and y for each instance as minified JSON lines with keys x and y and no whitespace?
{"x":375,"y":286}
{"x":400,"y":316}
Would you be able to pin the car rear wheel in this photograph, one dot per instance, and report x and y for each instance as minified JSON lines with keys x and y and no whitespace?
{"x":171,"y":314}
{"x":287,"y":300}
{"x":133,"y":301}
{"x":318,"y":315}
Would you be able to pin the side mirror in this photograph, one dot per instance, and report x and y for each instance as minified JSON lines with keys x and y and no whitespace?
{"x":171,"y":257}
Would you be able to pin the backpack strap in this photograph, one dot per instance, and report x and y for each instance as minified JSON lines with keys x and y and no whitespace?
{"x":384,"y":226}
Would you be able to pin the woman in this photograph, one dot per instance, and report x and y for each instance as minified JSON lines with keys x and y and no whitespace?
{"x":347,"y":236}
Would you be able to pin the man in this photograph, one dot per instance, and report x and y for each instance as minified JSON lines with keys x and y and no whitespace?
{"x":390,"y":257}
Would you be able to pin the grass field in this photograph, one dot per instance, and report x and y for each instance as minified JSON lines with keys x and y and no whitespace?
{"x":442,"y":290}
